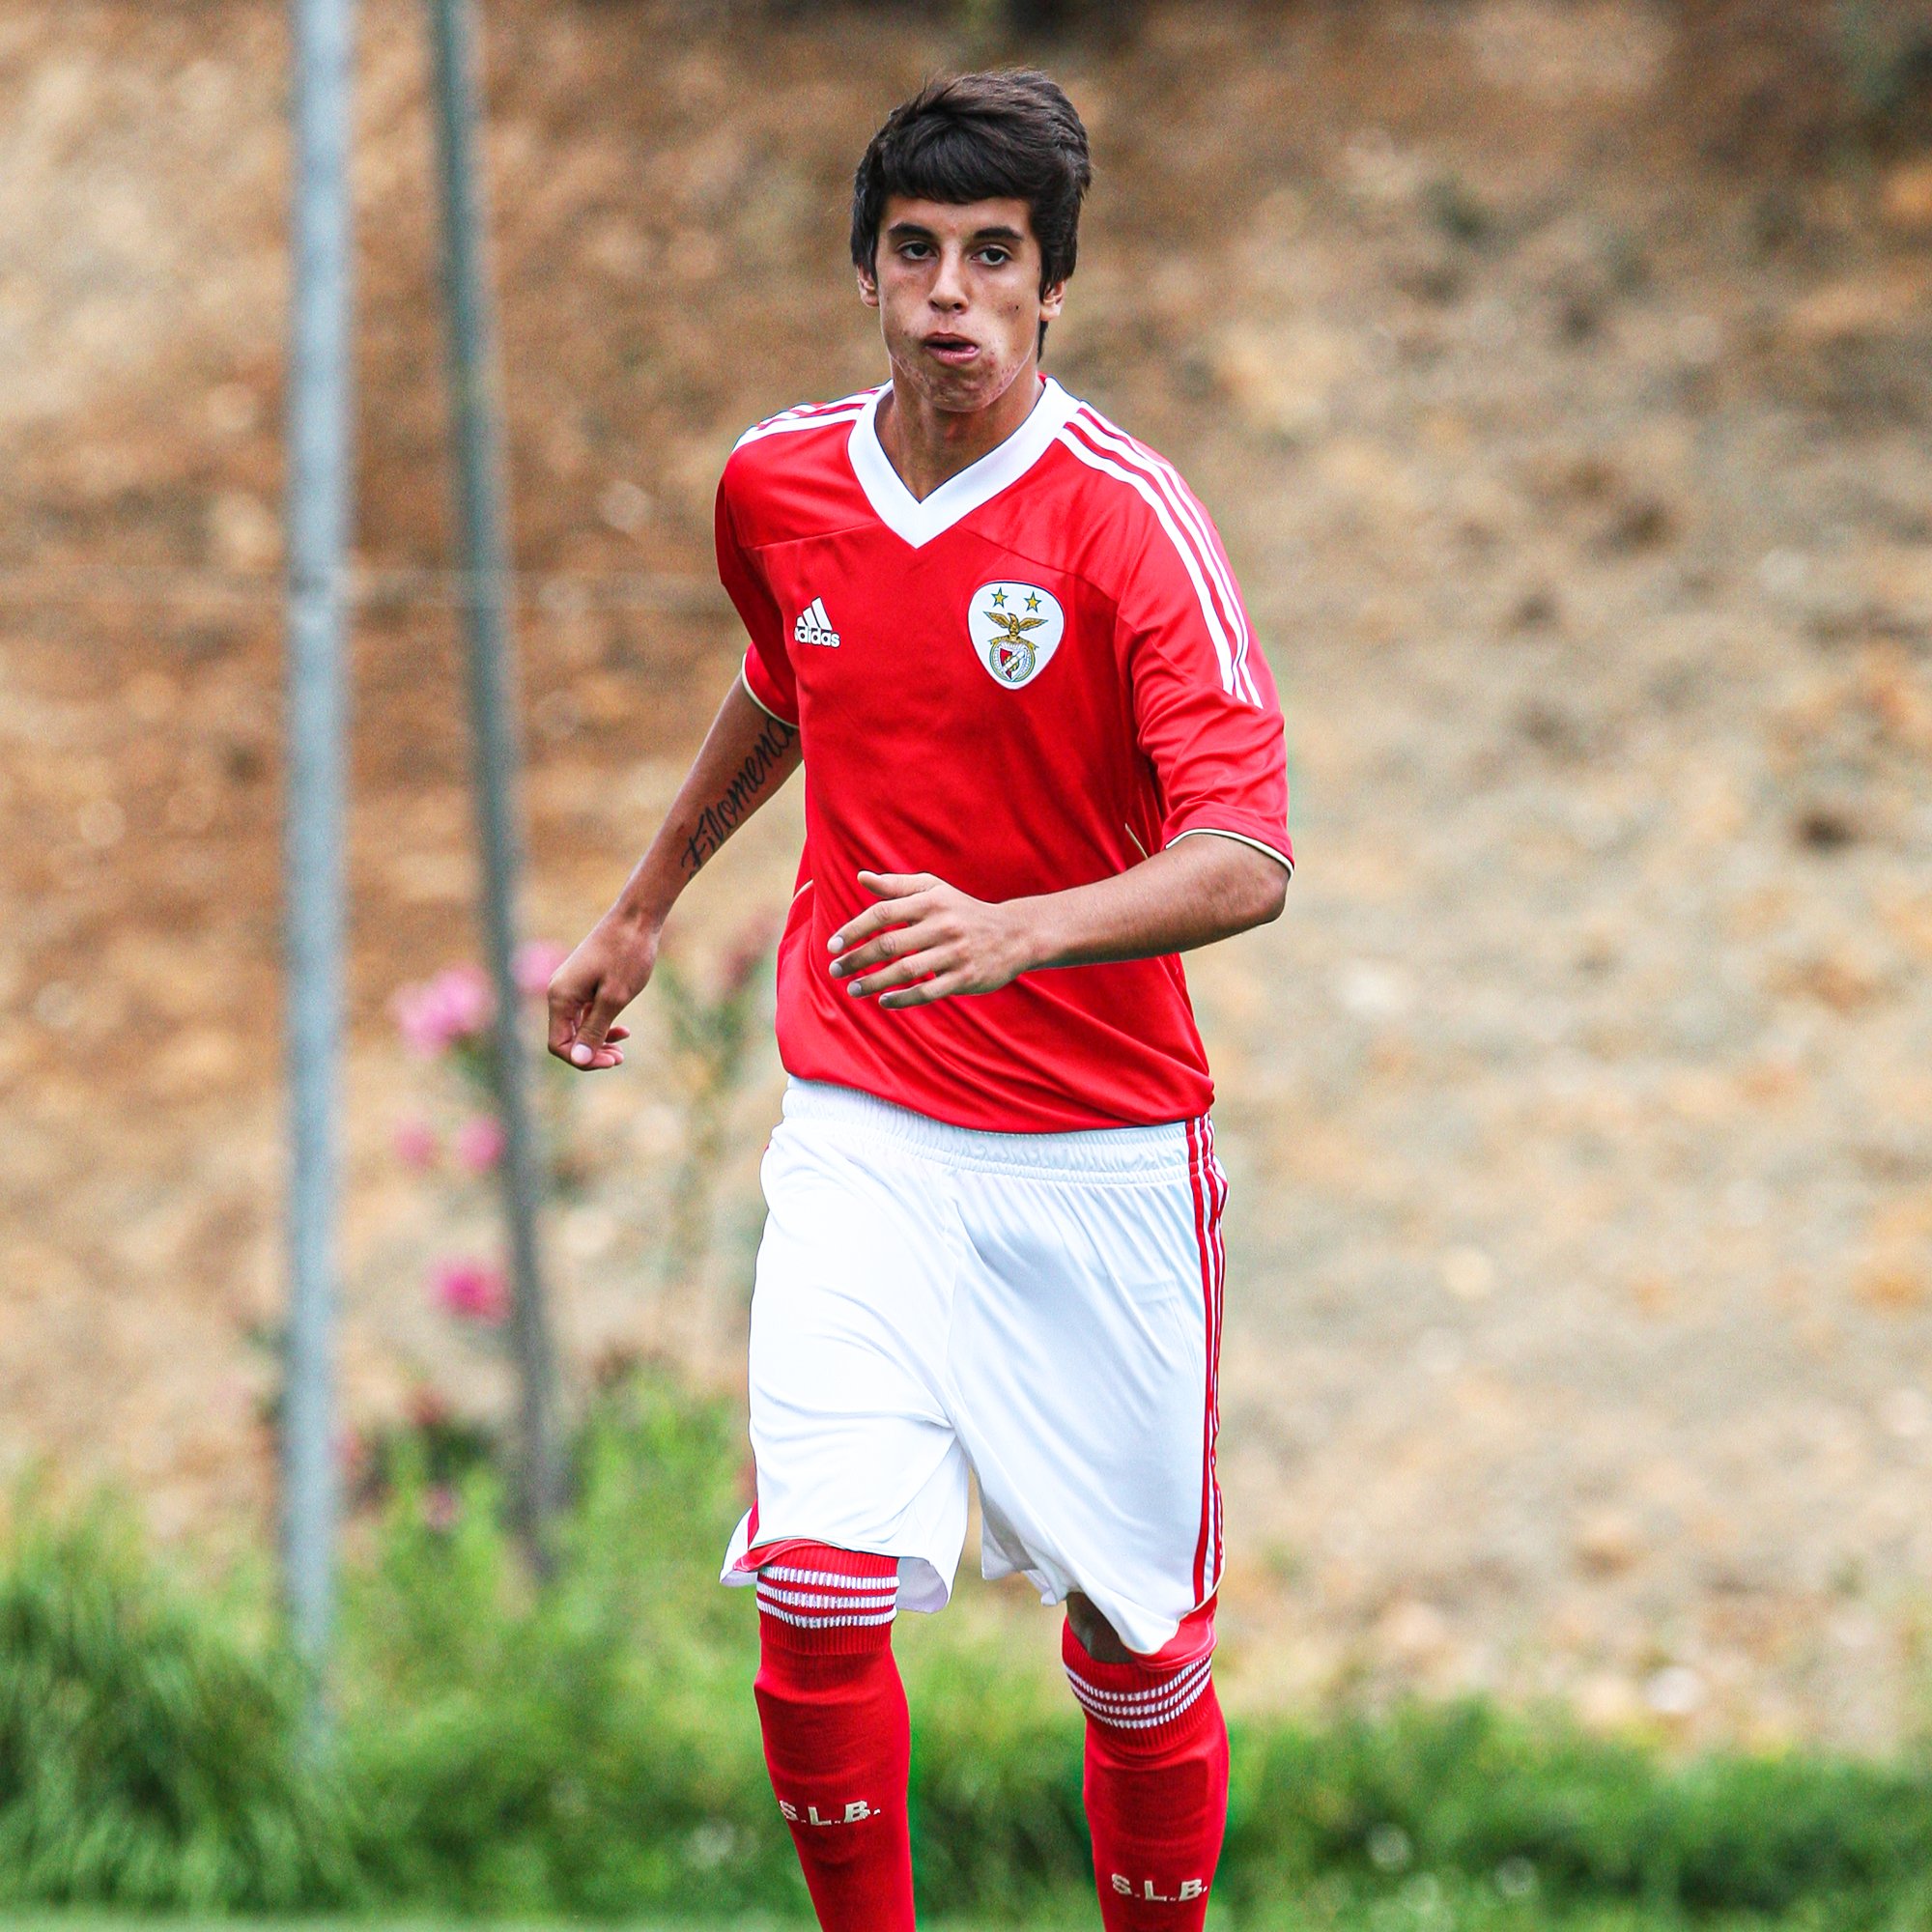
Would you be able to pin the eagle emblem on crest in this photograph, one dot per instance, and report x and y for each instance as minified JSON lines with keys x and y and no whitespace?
{"x":1015,"y":628}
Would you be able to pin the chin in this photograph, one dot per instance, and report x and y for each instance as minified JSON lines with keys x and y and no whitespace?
{"x":965,"y":390}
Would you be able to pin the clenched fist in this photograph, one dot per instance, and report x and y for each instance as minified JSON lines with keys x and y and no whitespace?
{"x":588,"y":992}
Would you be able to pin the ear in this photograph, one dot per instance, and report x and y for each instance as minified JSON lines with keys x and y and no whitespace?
{"x":1052,"y":300}
{"x":869,"y":288}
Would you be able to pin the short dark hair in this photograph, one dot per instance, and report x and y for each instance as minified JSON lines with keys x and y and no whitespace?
{"x":980,"y":137}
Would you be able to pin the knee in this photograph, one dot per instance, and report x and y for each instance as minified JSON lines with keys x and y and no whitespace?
{"x":1141,"y":1703}
{"x":816,"y":1599}
{"x":1098,"y":1638}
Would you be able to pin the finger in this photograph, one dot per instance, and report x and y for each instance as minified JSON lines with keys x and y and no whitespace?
{"x":896,"y":885}
{"x":892,"y":944}
{"x":587,"y":1047}
{"x":901,"y":973}
{"x":564,"y":1008}
{"x":874,"y":919}
{"x":926,"y":993}
{"x":600,"y":1058}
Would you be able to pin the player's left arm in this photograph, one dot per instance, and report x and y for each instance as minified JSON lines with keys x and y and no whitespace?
{"x":925,"y":940}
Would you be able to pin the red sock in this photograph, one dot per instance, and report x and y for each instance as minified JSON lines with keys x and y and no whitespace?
{"x":837,"y":1739}
{"x":1156,"y":1786}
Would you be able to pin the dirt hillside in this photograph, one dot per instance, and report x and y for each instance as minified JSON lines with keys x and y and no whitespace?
{"x":1565,"y":402}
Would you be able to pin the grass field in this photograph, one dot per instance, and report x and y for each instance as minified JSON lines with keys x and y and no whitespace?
{"x":587,"y":1754}
{"x":1424,"y":1905}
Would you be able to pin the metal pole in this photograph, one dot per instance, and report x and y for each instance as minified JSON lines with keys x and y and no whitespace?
{"x":476,"y":409}
{"x":319,"y":511}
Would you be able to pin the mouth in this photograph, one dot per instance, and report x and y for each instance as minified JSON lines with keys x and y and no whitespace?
{"x":955,"y":350}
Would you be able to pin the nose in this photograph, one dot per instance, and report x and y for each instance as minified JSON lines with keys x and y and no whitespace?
{"x":948,"y":285}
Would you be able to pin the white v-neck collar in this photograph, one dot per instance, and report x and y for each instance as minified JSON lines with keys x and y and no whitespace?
{"x":919,"y":520}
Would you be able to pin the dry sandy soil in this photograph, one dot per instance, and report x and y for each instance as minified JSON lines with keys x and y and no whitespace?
{"x":1574,"y":448}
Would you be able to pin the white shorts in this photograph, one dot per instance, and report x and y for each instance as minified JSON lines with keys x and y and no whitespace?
{"x":1043,"y":1310}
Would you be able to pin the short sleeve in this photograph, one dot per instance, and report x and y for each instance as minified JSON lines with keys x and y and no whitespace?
{"x":1205,"y":710}
{"x":767,"y":670}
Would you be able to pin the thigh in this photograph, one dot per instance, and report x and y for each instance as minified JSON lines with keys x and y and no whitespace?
{"x":850,"y":1433}
{"x":1085,"y":1349}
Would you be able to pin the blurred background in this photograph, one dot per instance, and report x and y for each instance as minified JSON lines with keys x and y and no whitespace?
{"x":1560,"y":375}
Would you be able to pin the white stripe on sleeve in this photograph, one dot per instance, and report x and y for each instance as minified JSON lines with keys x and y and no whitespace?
{"x":1136,"y":482}
{"x":1168,"y":480}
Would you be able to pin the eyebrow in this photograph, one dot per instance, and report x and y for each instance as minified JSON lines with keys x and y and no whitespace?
{"x":905,"y":231}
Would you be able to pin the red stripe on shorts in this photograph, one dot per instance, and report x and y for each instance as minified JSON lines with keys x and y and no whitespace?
{"x":1196,"y":1176}
{"x":1218,"y":1182}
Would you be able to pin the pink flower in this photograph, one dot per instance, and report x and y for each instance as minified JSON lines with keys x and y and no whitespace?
{"x":434,"y":1014}
{"x":472,"y":1290}
{"x":536,"y":960}
{"x":479,"y":1142}
{"x":414,"y":1143}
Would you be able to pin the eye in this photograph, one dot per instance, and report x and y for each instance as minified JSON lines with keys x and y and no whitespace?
{"x":996,"y":257}
{"x":914,"y":251}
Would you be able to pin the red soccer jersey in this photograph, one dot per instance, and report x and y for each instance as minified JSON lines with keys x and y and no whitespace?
{"x":1028,"y":680}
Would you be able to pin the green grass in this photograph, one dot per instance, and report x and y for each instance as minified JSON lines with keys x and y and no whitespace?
{"x":1326,"y":1907}
{"x":589,"y":1751}
{"x":94,"y":1921}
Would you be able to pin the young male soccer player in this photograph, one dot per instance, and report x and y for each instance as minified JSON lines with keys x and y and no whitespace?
{"x":1042,"y":756}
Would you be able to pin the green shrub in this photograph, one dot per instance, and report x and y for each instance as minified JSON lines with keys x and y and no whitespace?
{"x":149,"y":1751}
{"x":997,"y":1822}
{"x":590,"y":1748}
{"x":1470,"y":1790}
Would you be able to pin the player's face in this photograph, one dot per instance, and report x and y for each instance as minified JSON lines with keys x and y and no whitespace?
{"x":959,"y":295}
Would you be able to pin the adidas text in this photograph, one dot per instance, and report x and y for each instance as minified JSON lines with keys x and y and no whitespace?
{"x":815,"y":627}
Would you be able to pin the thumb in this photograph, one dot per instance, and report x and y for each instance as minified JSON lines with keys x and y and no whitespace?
{"x":594,"y":1027}
{"x":896,"y":885}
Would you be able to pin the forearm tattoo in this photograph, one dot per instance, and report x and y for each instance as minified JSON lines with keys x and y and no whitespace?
{"x":716,"y":822}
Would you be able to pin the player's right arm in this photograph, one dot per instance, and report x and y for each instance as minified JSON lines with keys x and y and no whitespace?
{"x":747,"y":755}
{"x":752,"y":746}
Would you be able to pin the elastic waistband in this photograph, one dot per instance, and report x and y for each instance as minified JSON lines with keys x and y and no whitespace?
{"x":1160,"y":1153}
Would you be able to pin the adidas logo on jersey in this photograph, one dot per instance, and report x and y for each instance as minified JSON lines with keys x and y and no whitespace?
{"x":814,"y":626}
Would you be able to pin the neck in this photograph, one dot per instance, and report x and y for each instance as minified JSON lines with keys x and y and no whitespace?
{"x":926,"y":445}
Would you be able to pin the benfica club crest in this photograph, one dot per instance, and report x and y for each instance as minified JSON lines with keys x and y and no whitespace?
{"x":1015,"y":628}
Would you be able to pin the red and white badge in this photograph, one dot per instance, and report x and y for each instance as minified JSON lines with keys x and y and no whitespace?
{"x":1015,"y":629}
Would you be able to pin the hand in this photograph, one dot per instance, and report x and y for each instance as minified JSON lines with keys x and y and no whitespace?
{"x":594,"y":985}
{"x":929,"y":941}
